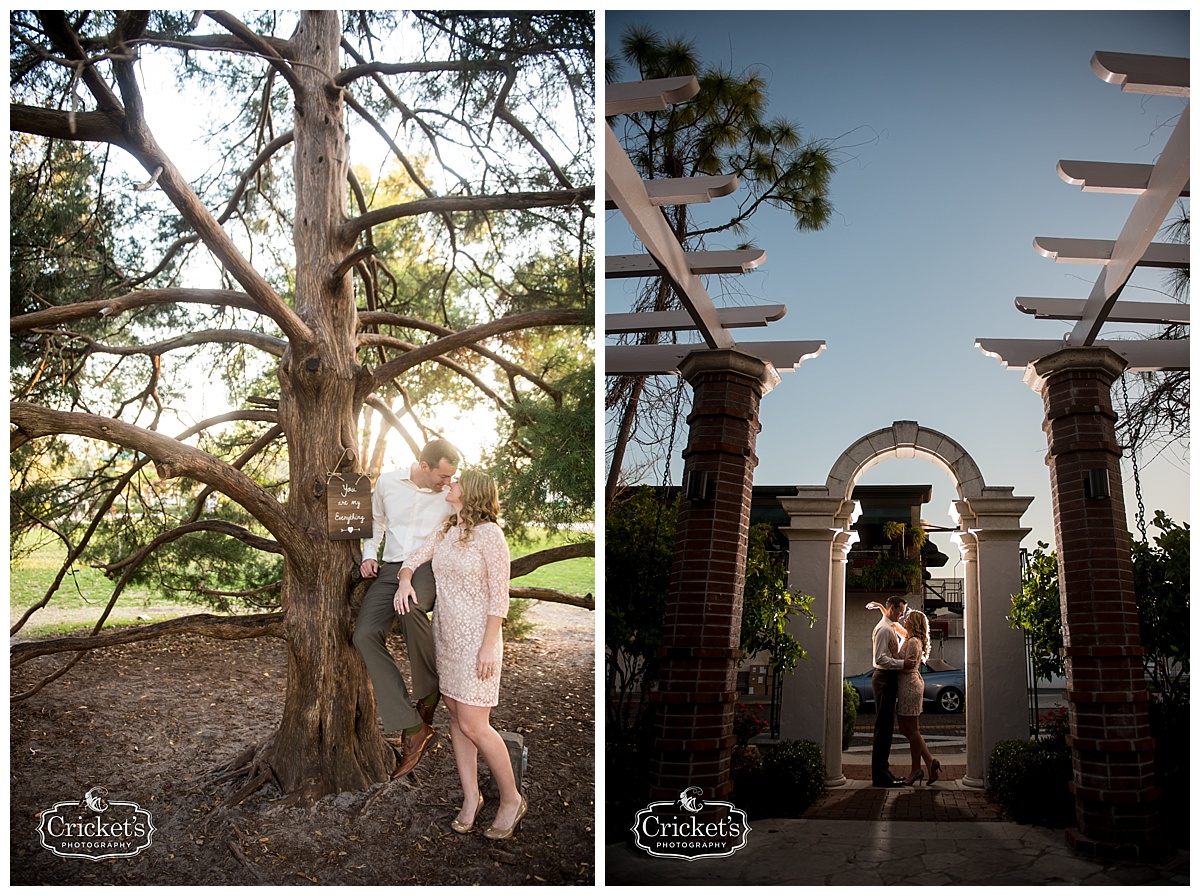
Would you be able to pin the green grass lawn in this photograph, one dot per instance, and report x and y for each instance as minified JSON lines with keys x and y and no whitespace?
{"x":87,"y":588}
{"x":576,"y":576}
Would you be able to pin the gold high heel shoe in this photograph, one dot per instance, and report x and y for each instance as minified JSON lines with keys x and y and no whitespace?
{"x":935,"y":769}
{"x":494,"y":833}
{"x":461,"y":828}
{"x":915,"y":777}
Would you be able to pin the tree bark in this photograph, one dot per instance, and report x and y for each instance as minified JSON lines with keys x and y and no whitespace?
{"x":328,"y":740}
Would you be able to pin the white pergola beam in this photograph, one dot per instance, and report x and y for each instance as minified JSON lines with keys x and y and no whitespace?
{"x":1109,"y":177}
{"x":1135,"y":73}
{"x":1170,"y":175}
{"x":651,"y":360}
{"x":685,"y":190}
{"x":734,"y":261}
{"x":1142,"y":354}
{"x":1121,"y":312}
{"x":648,"y":96}
{"x":625,"y":186}
{"x":1073,"y":251}
{"x":659,"y":321}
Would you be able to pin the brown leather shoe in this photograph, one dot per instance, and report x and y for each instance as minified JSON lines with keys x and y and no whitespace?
{"x":426,"y":711}
{"x":412,"y":747}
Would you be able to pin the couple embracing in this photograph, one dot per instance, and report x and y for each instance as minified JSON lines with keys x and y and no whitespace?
{"x":897,"y":649}
{"x":441,"y":540}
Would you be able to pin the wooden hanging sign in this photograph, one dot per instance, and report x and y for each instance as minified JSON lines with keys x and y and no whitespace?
{"x":348,"y":499}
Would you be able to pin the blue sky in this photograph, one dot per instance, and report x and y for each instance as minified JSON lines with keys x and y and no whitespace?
{"x":952,"y":125}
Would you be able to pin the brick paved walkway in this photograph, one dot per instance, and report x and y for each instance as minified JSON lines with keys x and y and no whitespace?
{"x":944,"y":801}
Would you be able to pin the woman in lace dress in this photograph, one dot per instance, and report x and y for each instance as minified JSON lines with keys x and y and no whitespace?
{"x":911,"y":695}
{"x":471,"y":563}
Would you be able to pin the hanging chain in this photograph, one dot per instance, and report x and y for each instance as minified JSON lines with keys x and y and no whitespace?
{"x":1133,"y":447}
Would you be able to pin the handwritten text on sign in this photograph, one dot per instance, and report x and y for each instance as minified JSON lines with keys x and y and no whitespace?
{"x":349,"y":503}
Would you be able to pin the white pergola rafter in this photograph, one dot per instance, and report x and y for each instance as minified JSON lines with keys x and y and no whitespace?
{"x":641,"y":201}
{"x":1157,"y":188}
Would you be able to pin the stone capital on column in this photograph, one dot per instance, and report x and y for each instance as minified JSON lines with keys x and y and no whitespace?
{"x":731,"y":361}
{"x":1102,"y":359}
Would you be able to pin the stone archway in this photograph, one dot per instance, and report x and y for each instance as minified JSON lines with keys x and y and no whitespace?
{"x":989,"y":537}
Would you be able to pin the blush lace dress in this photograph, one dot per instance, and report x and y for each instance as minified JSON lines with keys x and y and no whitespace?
{"x":912,"y":685}
{"x":472,"y":584}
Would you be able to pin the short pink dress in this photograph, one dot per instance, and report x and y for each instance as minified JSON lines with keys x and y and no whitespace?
{"x":911,"y":691}
{"x":472,"y":584}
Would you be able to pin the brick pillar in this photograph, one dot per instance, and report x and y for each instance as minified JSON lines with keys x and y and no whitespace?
{"x":1112,"y":750}
{"x":697,"y":681}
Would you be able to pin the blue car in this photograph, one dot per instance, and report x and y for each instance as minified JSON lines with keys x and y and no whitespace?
{"x":944,"y":689}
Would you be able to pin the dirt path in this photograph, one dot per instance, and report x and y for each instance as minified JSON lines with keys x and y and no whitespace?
{"x":148,"y":721}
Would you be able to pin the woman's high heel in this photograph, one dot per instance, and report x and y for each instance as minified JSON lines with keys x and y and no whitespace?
{"x":935,"y":769}
{"x":495,"y":833}
{"x":461,"y":828}
{"x":915,"y":777}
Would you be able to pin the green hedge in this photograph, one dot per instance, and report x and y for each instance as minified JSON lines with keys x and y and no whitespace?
{"x":791,"y":776}
{"x":1031,"y":781}
{"x":850,"y":703}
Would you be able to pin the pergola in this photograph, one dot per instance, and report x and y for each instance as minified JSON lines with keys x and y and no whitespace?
{"x":1157,"y":188}
{"x":1114,"y":785}
{"x":693,"y":734}
{"x":640,"y":202}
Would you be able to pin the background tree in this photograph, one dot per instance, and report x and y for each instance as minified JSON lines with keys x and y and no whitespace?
{"x":1156,"y":412}
{"x":725,"y":129}
{"x":639,"y":544}
{"x":1162,"y":584}
{"x":267,"y":277}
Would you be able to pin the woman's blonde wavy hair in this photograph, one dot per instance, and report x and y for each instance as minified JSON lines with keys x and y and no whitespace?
{"x":480,"y":503}
{"x":917,"y":626}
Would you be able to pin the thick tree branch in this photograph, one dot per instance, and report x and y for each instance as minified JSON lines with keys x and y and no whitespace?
{"x":94,"y":127}
{"x":60,"y":314}
{"x":272,"y":345}
{"x":225,"y":628}
{"x":524,"y":320}
{"x":441,"y":204}
{"x":523,"y":566}
{"x":584,"y":601}
{"x":172,"y":458}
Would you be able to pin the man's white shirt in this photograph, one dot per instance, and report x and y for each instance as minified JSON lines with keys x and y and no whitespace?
{"x":403,"y":515}
{"x":880,"y":640}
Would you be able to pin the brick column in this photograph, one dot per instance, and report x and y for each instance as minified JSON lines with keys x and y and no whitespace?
{"x":697,"y":682}
{"x":1112,"y":750}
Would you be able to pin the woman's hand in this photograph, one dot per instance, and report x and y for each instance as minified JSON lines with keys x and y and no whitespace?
{"x":874,"y":606}
{"x":406,"y":597}
{"x":485,"y":663}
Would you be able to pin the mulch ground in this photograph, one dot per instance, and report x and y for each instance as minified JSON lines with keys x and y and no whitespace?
{"x":148,"y":721}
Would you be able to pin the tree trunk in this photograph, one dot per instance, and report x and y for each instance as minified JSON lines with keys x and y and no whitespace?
{"x":329,"y":739}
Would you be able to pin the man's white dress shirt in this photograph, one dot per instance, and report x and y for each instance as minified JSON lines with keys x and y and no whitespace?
{"x":403,"y":515}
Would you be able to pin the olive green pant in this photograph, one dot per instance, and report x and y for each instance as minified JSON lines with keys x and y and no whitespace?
{"x":375,"y":620}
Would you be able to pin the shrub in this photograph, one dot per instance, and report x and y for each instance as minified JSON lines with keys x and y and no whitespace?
{"x":850,"y":704}
{"x":793,"y":775}
{"x":1171,"y":727}
{"x":1031,"y":781}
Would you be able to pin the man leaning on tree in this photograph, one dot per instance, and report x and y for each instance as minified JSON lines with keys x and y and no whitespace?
{"x":406,"y":507}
